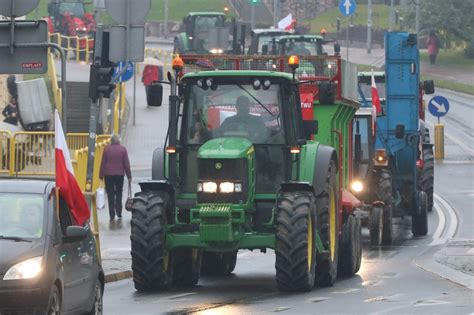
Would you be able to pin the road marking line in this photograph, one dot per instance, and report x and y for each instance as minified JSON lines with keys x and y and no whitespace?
{"x":281,"y":309}
{"x":345,"y":291}
{"x":453,"y":218}
{"x":429,"y":302}
{"x":441,"y":223}
{"x":317,"y":299}
{"x":444,"y":231}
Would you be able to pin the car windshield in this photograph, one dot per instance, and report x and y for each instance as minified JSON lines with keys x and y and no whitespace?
{"x":367,"y":90}
{"x":76,"y":9}
{"x":22,"y":215}
{"x":235,"y":111}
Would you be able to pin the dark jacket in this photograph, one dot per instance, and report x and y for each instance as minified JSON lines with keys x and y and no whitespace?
{"x":115,"y":161}
{"x":11,"y":114}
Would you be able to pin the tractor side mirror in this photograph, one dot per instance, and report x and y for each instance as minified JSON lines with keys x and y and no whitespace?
{"x":327,"y":93}
{"x":310,"y":128}
{"x":74,"y":234}
{"x":337,"y":49}
{"x":154,"y":95}
{"x":264,"y":49}
{"x":428,"y":87}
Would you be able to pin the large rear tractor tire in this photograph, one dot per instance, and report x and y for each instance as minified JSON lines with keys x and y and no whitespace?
{"x":295,"y":241}
{"x":385,"y":194}
{"x":351,"y":247}
{"x":151,"y":263}
{"x":419,"y":220}
{"x":218,"y":264}
{"x":376,"y":226}
{"x":187,"y":266}
{"x":427,"y":176}
{"x":327,"y":208}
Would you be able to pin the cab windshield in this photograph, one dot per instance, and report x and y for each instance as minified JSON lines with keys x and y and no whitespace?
{"x":22,"y":215}
{"x":230,"y":110}
{"x":76,"y":9}
{"x":268,"y":41}
{"x":301,"y":48}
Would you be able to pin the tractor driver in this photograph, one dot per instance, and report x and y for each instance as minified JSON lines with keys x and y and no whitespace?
{"x":244,"y":124}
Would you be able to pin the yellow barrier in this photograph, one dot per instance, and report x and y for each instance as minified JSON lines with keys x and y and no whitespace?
{"x":54,"y":83}
{"x":73,"y":44}
{"x":5,"y":140}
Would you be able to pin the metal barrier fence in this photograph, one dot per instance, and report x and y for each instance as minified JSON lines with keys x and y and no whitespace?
{"x":54,"y":83}
{"x":5,"y":139}
{"x":80,"y":46}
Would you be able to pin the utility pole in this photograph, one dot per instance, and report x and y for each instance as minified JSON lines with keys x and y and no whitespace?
{"x":253,"y":15}
{"x":276,"y":12}
{"x":369,"y":26}
{"x":166,"y":19}
{"x":392,"y":16}
{"x":417,"y":19}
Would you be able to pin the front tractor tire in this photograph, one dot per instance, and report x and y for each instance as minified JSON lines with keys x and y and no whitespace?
{"x":427,"y":176}
{"x":385,"y":194}
{"x":295,"y":241}
{"x":151,"y":262}
{"x":419,"y":220}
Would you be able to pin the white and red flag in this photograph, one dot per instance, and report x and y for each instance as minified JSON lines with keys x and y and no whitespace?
{"x":375,"y":96}
{"x":286,"y":23}
{"x":67,"y":184}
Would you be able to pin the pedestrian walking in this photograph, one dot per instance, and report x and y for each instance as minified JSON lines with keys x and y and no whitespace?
{"x":114,"y":166}
{"x":432,"y":43}
{"x":10,"y":112}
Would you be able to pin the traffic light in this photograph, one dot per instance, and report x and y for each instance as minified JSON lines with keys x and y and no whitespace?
{"x":100,"y":81}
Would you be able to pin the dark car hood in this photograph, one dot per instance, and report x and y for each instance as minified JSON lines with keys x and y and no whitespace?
{"x":12,"y":252}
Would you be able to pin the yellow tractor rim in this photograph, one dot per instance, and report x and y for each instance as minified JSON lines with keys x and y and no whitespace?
{"x":310,"y":242}
{"x":332,"y":225}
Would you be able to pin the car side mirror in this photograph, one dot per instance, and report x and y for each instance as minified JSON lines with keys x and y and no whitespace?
{"x":428,"y":87}
{"x":154,"y":95}
{"x":75,"y":233}
{"x":310,"y":128}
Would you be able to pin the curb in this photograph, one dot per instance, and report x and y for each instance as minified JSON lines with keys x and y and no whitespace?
{"x":427,"y":263}
{"x":117,"y":276}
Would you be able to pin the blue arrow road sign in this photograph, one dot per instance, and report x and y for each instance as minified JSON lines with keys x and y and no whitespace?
{"x":127,"y":75}
{"x":438,"y":106}
{"x":347,"y":7}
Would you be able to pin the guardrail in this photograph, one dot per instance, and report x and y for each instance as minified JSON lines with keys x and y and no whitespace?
{"x":32,"y":154}
{"x":80,"y":46}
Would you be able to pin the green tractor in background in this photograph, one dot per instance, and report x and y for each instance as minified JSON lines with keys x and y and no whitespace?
{"x":208,"y":33}
{"x":241,"y":170}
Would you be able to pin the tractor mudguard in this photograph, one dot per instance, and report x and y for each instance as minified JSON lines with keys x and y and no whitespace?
{"x":323,"y":161}
{"x":158,"y":165}
{"x":157,"y":185}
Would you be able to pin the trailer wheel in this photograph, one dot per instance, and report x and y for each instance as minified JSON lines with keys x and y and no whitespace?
{"x":218,"y":264}
{"x":187,"y":266}
{"x":427,"y":176}
{"x":376,"y":226}
{"x":295,"y":241}
{"x":327,"y":207}
{"x":151,"y":263}
{"x":350,"y":249}
{"x":385,"y":194}
{"x":419,"y":220}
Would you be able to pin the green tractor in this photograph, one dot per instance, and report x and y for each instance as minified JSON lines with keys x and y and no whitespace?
{"x":241,"y":170}
{"x":208,"y":33}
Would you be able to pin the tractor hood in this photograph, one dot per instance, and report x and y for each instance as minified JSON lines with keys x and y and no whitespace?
{"x":226,"y":148}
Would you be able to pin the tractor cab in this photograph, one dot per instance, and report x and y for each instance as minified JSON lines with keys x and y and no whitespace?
{"x":205,"y":32}
{"x":234,"y":123}
{"x":265,"y":41}
{"x":69,"y":17}
{"x":365,"y":87}
{"x":301,"y":45}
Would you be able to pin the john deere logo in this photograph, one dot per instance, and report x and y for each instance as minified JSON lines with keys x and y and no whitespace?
{"x":218,"y":166}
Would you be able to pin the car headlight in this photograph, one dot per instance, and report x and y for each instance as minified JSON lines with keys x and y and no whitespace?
{"x":226,"y":187}
{"x":209,"y":187}
{"x":26,"y":269}
{"x":357,"y":186}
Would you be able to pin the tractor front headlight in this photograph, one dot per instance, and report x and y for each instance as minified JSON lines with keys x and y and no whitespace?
{"x":357,"y":186}
{"x":209,"y":187}
{"x":226,"y":187}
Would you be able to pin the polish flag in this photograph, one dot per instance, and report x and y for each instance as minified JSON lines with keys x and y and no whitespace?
{"x":67,"y":184}
{"x":375,"y":96}
{"x":286,"y":22}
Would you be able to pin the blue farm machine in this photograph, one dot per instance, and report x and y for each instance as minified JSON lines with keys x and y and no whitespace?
{"x":393,"y":158}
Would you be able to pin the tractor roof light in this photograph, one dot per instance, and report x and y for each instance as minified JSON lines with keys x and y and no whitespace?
{"x":178,"y":63}
{"x":294,"y":62}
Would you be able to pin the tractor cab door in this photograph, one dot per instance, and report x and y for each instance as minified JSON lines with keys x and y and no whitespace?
{"x":363,"y":131}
